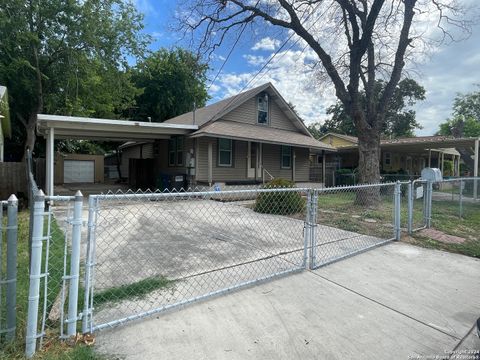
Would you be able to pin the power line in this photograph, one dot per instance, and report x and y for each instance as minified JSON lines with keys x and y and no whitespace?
{"x":228,"y":56}
{"x":272,"y":57}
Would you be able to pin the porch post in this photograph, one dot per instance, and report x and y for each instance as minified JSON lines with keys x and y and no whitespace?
{"x":293,"y":165}
{"x":442,"y":159}
{"x":324,"y":167}
{"x":210,"y":163}
{"x":429,"y":158}
{"x":249,"y":158}
{"x":475,"y":169}
{"x":458,"y":165}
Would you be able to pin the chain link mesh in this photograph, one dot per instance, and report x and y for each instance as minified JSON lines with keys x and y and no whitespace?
{"x":352,"y":219}
{"x":155,"y":251}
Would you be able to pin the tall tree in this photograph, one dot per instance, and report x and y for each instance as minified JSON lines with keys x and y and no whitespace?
{"x":173,"y":82}
{"x":465,"y":121}
{"x":58,"y":56}
{"x":399,"y":119}
{"x":356,"y":42}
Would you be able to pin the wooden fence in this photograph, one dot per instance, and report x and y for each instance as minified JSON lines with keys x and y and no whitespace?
{"x":13,"y":179}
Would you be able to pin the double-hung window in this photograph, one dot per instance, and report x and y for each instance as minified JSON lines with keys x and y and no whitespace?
{"x":225,"y":152}
{"x":262,"y":108}
{"x":286,"y":159}
{"x":175,"y":151}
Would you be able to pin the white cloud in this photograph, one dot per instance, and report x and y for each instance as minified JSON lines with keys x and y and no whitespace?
{"x":267,"y":43}
{"x":254,"y":59}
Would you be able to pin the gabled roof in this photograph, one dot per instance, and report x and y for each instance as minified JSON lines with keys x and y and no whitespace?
{"x":265,"y":134}
{"x":352,"y":139}
{"x":215,"y":111}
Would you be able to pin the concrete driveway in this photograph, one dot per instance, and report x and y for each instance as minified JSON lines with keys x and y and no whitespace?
{"x":392,"y":302}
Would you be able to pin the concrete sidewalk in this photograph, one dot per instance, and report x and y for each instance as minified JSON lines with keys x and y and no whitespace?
{"x":389,"y":303}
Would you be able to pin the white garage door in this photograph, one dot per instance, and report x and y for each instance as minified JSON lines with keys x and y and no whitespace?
{"x":78,"y":171}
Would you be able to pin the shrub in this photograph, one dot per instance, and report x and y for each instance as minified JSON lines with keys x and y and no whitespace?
{"x":279,"y":203}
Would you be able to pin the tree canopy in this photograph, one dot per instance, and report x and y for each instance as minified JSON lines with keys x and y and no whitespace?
{"x":399,"y":120}
{"x":172,"y":83}
{"x":67,"y":57}
{"x":355,"y":42}
{"x":465,"y":120}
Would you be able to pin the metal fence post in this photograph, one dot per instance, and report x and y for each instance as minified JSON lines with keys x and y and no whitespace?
{"x":11,"y":280}
{"x":313,"y":231}
{"x":75,"y":265}
{"x":88,"y":264}
{"x":410,"y":208}
{"x":460,"y":198}
{"x":35,"y":273}
{"x":397,"y":200}
{"x":307,"y":227}
{"x":429,"y":204}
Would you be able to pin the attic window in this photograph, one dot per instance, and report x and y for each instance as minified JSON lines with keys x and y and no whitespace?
{"x":262,"y":108}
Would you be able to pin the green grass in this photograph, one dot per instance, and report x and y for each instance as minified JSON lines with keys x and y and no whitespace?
{"x":445,"y":218}
{"x":56,"y":349}
{"x":135,"y":290}
{"x":340,"y":210}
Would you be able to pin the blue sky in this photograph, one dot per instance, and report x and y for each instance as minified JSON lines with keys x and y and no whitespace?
{"x":451,"y":69}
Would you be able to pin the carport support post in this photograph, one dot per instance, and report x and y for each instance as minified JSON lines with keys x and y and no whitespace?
{"x":35,"y":275}
{"x":410,"y":207}
{"x":398,"y":192}
{"x":75,"y":265}
{"x":49,"y":162}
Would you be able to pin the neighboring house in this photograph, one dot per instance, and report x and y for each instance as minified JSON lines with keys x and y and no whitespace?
{"x":403,"y":155}
{"x":5,"y":125}
{"x":246,"y":139}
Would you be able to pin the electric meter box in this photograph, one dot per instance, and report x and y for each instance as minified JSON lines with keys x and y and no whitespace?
{"x":432,"y":174}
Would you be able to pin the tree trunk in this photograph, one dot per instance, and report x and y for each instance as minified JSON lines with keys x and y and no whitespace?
{"x":30,"y":129}
{"x":369,"y":157}
{"x":368,"y":162}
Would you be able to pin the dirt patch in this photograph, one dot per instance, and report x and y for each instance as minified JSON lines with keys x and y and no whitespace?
{"x":441,"y":236}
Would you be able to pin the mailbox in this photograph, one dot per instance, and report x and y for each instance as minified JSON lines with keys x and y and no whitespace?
{"x":432,"y":174}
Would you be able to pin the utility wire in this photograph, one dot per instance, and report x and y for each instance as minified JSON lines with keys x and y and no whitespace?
{"x":270,"y":59}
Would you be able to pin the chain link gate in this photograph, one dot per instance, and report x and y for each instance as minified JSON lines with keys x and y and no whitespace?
{"x":150,"y":252}
{"x":348,"y":220}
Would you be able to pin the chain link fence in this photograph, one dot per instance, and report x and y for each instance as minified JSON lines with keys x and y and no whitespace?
{"x":352,"y":219}
{"x":125,"y":256}
{"x":149,"y":252}
{"x":8,"y":268}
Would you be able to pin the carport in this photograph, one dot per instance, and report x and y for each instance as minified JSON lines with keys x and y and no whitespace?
{"x":53,"y":127}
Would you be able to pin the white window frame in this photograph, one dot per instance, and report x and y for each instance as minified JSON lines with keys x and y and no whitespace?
{"x":262,"y":97}
{"x":289,"y":155}
{"x":219,"y":150}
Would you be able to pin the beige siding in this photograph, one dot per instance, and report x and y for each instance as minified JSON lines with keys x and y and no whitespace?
{"x":271,"y":162}
{"x":237,"y":172}
{"x":247,"y":113}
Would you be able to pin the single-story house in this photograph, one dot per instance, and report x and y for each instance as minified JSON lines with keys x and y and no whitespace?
{"x":403,"y":155}
{"x":5,"y":125}
{"x":245,"y":139}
